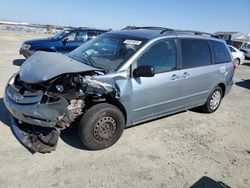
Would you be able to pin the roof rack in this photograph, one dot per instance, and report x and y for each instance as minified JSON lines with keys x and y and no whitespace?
{"x":145,"y":27}
{"x":191,"y":32}
{"x":164,"y":30}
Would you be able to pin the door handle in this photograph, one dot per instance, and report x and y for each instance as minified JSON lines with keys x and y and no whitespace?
{"x":185,"y":75}
{"x":174,"y":77}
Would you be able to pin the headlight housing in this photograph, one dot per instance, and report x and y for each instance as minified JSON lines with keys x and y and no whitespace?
{"x":12,"y":79}
{"x":26,"y":46}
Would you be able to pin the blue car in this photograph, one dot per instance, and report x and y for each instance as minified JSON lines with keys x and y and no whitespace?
{"x":63,"y":42}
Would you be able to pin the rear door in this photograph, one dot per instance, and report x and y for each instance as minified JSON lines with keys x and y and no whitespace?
{"x":197,"y":72}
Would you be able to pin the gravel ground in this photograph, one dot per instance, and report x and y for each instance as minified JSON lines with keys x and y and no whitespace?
{"x":181,"y":150}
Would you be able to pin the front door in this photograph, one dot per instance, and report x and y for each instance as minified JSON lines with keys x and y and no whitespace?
{"x":158,"y":95}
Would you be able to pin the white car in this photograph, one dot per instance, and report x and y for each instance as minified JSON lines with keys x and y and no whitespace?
{"x":238,"y":55}
{"x":246,"y":49}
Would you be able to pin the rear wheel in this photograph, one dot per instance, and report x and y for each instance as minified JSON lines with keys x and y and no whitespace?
{"x":101,"y":126}
{"x":213,"y":101}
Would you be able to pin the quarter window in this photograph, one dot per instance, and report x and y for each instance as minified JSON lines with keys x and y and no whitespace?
{"x":161,"y":56}
{"x":195,"y":53}
{"x":220,"y":52}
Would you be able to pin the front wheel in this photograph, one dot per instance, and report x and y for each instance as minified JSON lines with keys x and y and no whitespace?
{"x":213,"y":101}
{"x":101,"y":126}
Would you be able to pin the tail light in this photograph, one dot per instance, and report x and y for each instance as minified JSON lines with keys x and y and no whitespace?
{"x":235,"y":64}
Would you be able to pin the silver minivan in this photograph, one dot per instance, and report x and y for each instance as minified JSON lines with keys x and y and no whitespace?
{"x":116,"y":80}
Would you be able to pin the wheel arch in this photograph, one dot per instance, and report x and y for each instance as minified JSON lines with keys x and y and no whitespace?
{"x":223,"y":87}
{"x":110,"y":100}
{"x":119,"y":105}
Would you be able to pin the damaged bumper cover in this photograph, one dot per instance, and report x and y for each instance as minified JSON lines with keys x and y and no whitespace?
{"x":38,"y":115}
{"x":35,"y":138}
{"x":29,"y":109}
{"x":35,"y":124}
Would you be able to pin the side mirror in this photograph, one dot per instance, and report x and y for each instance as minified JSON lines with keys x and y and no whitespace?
{"x":144,"y":71}
{"x":64,"y":41}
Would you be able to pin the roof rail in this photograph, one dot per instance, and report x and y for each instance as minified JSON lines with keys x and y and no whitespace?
{"x":84,"y":28}
{"x":191,"y":32}
{"x":145,"y":27}
{"x":164,"y":30}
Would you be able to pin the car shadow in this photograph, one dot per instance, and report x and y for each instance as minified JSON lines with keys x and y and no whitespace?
{"x":206,"y":182}
{"x":4,"y":115}
{"x":18,"y":62}
{"x":244,"y":84}
{"x":70,"y":137}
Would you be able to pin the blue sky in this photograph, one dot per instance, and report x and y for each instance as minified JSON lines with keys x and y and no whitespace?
{"x":203,"y":15}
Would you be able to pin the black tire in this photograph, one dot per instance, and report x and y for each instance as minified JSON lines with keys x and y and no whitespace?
{"x":101,"y":126}
{"x":207,"y":107}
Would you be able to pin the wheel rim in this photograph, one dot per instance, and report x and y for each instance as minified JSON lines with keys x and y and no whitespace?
{"x":215,"y":100}
{"x":105,"y":128}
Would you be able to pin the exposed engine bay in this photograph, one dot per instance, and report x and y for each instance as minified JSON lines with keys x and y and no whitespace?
{"x":57,"y":103}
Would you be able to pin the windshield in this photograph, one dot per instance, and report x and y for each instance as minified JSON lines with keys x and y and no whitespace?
{"x":59,"y":35}
{"x":108,"y":51}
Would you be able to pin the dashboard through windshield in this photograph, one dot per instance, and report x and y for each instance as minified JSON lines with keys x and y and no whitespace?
{"x":108,"y":51}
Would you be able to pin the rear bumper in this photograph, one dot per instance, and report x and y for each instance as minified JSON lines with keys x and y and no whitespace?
{"x":35,"y":139}
{"x":26,"y":53}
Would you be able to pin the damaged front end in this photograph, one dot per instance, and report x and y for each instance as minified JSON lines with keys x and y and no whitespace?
{"x":35,"y":138}
{"x":39,"y":111}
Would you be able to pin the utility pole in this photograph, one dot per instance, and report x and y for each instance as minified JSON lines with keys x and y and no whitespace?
{"x":70,"y":16}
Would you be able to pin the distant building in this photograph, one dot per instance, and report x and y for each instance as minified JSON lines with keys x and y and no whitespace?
{"x":13,"y":22}
{"x":228,"y":36}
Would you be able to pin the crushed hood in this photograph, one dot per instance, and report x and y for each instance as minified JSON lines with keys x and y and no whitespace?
{"x":43,"y":66}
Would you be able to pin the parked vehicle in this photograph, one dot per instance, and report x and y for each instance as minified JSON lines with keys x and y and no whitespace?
{"x":237,"y":44}
{"x":63,"y":42}
{"x":246,"y":49}
{"x":116,"y":80}
{"x":238,"y":55}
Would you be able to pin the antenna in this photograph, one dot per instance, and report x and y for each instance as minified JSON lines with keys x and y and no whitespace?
{"x":70,"y":16}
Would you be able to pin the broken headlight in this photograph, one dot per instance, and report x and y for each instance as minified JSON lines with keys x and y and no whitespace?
{"x":12,"y":79}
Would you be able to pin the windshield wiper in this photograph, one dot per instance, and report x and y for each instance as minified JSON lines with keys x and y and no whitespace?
{"x":91,"y":62}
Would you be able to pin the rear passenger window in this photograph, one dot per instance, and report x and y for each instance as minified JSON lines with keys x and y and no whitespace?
{"x":161,"y":55}
{"x":195,"y":53}
{"x":220,"y":52}
{"x":91,"y":35}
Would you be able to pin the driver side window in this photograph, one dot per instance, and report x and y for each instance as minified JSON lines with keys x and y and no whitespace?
{"x":162,"y":55}
{"x":71,"y":37}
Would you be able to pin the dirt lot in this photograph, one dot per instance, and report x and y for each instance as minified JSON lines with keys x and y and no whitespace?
{"x":176,"y":151}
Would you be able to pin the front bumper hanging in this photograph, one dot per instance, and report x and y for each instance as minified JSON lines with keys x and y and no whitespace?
{"x":35,"y":138}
